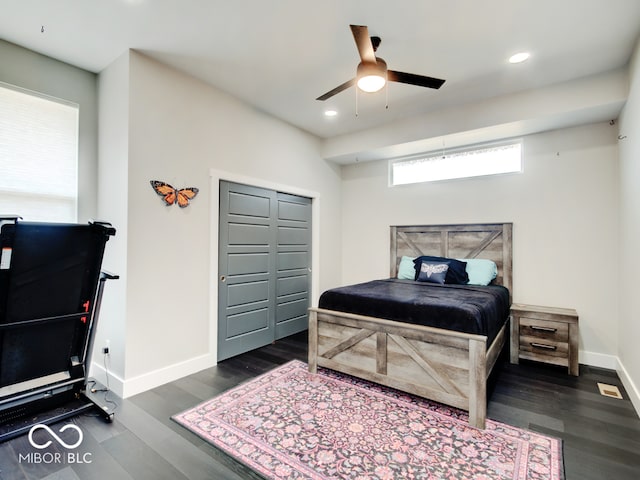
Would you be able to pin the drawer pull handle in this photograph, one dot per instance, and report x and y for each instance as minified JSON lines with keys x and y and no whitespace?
{"x":544,"y":329}
{"x":542,"y":345}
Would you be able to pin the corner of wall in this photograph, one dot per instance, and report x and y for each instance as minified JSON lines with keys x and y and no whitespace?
{"x":629,"y":205}
{"x":107,"y":378}
{"x":632,"y":389}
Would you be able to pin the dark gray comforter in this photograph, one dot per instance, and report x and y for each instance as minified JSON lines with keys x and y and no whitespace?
{"x":464,"y":308}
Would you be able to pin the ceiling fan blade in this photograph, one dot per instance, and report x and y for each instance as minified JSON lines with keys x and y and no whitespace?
{"x":337,"y":90}
{"x":363,"y":42}
{"x":414,"y":79}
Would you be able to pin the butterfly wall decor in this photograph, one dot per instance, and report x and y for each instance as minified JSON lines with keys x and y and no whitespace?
{"x":171,"y":195}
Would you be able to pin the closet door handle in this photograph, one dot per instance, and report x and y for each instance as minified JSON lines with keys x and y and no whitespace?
{"x":223,"y":278}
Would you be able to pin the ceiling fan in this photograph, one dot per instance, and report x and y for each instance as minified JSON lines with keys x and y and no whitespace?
{"x":372,"y":73}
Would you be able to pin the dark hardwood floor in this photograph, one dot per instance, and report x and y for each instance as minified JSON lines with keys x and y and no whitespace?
{"x":601,"y":435}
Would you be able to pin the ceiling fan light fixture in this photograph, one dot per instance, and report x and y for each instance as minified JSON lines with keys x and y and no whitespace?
{"x":372,"y":74}
{"x":371,"y":83}
{"x":519,"y":57}
{"x":372,"y":77}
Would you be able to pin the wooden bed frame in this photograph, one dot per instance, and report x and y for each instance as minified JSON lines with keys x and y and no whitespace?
{"x":443,"y":365}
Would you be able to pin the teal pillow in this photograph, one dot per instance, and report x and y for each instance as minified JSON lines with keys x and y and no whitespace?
{"x":406,"y":269}
{"x":481,"y":271}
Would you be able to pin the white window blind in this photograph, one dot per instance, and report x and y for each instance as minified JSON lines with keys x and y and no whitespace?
{"x":38,"y":156}
{"x":479,"y":161}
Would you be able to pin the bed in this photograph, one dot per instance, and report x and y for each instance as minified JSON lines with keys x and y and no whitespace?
{"x":441,"y":364}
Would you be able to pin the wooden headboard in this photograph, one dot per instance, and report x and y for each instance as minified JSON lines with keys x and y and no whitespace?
{"x":483,"y":240}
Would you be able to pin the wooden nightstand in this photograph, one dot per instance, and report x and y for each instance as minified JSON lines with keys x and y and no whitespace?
{"x":545,"y":334}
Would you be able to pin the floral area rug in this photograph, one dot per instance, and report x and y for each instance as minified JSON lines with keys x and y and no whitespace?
{"x":291,"y":424}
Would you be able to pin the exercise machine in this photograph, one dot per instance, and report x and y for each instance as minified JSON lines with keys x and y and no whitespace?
{"x":51,"y":287}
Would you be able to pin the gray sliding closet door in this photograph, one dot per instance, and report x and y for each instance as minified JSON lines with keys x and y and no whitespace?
{"x":293,"y":265}
{"x":264,"y":267}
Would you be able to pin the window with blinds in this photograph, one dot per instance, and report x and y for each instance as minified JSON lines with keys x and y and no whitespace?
{"x":470,"y":162}
{"x":38,"y":156}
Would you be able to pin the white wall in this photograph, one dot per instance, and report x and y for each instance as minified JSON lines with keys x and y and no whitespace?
{"x":563,"y":207}
{"x":30,"y":70}
{"x":561,"y":105}
{"x":113,"y":148}
{"x":629,"y":299}
{"x":179,"y":129}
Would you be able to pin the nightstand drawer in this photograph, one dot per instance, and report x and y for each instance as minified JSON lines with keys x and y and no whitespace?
{"x":542,"y":346}
{"x":544,"y":329}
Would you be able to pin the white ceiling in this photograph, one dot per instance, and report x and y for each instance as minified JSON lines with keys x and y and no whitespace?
{"x":279,"y":55}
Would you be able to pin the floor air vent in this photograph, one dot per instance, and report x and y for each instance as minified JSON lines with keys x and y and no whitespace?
{"x":609,"y":390}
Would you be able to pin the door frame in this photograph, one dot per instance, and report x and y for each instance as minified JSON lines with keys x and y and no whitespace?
{"x":215,"y":177}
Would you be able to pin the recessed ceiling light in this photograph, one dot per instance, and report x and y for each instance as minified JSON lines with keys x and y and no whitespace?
{"x":519,"y":57}
{"x":330,"y":113}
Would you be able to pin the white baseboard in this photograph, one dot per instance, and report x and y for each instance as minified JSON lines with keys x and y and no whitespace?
{"x":147,"y":381}
{"x":598,"y":360}
{"x":115,"y":383}
{"x":612,"y":362}
{"x":629,"y":386}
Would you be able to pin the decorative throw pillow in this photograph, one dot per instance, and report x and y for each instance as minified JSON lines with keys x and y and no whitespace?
{"x":406,"y":269}
{"x":480,"y":270}
{"x":457,"y":273}
{"x":433,"y":272}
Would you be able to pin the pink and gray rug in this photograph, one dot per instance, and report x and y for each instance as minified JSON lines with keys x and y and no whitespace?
{"x":291,"y":424}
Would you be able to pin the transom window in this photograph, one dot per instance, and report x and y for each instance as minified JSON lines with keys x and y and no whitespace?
{"x":479,"y":161}
{"x":38,"y":156}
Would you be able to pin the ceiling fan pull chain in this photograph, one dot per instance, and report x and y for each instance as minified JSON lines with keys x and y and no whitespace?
{"x":356,"y":103}
{"x":386,"y":92}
